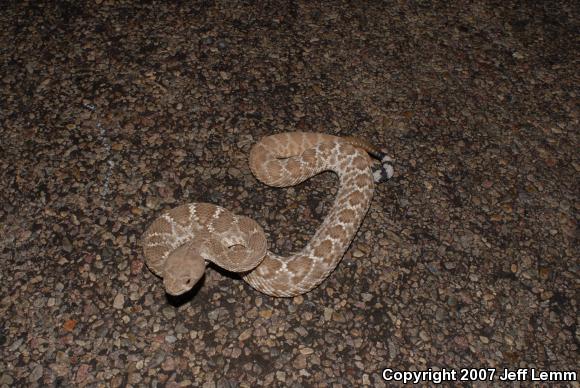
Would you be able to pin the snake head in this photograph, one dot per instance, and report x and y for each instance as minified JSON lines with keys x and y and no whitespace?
{"x":183,"y":269}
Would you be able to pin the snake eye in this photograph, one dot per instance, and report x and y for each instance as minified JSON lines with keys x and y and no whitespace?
{"x":188,"y":282}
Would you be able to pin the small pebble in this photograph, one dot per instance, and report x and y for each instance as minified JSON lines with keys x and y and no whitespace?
{"x":119,"y":301}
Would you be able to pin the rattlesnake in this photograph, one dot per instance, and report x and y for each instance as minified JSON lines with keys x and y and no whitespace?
{"x":178,"y":244}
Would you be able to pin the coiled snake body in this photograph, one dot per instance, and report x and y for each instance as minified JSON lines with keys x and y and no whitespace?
{"x":178,"y":244}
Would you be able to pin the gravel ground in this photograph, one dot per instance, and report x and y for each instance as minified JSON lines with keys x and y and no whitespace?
{"x":112,"y":112}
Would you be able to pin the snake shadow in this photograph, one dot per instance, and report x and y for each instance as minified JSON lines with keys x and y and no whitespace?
{"x":186,"y":297}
